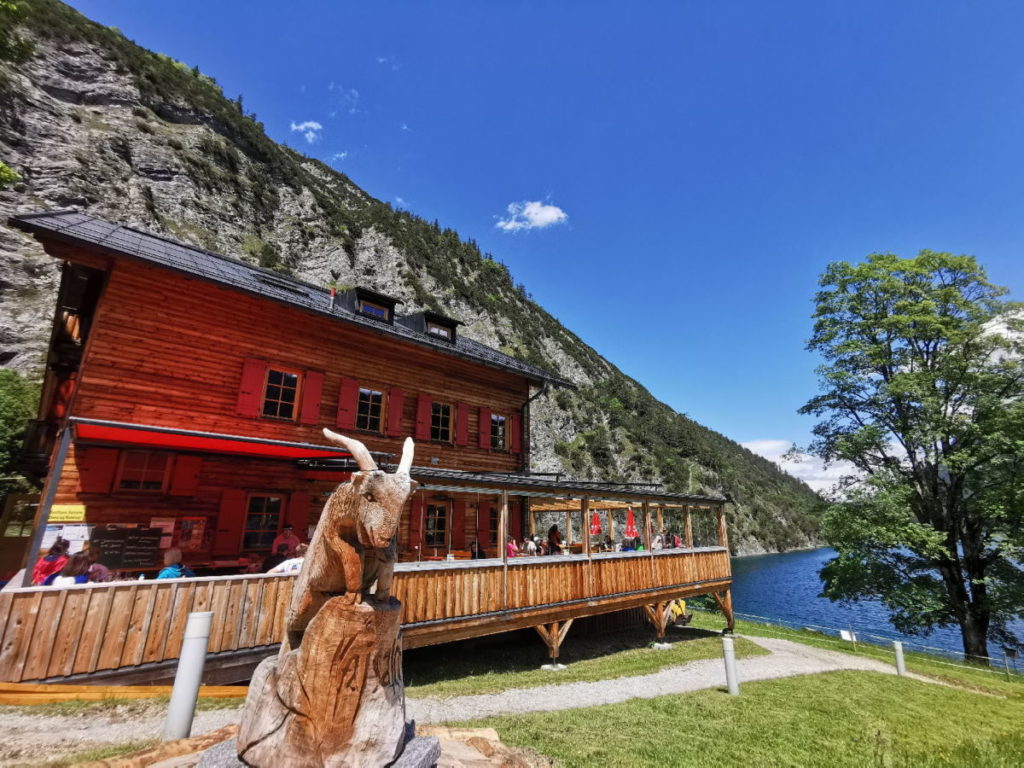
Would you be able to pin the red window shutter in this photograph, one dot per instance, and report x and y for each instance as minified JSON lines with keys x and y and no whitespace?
{"x":515,"y":521}
{"x":96,"y":468}
{"x":484,"y":428}
{"x":254,"y":374}
{"x":230,"y":520}
{"x":298,"y":513}
{"x":312,"y":391}
{"x":515,"y":432}
{"x":396,"y":404}
{"x":348,"y":403}
{"x":461,"y":424}
{"x":185,"y":477}
{"x":416,"y":512}
{"x":423,"y":417}
{"x":459,"y":525}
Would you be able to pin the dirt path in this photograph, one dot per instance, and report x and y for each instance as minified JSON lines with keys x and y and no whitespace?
{"x":29,"y":739}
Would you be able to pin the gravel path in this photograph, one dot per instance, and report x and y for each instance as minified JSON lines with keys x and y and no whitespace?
{"x":787,"y":659}
{"x":33,"y":739}
{"x":29,"y":739}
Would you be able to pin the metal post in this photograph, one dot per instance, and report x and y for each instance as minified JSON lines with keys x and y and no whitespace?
{"x":901,"y":667}
{"x":731,"y":679}
{"x":188,"y":678}
{"x":45,"y":504}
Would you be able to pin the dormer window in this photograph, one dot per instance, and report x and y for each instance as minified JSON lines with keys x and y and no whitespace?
{"x":374,"y":310}
{"x":441,"y":331}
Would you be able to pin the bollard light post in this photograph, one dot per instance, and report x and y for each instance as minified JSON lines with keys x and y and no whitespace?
{"x":731,"y":679}
{"x":901,"y":667}
{"x":188,"y":678}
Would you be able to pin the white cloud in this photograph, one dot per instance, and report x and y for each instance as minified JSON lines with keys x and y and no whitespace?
{"x":337,"y":157}
{"x":346,"y":98}
{"x":389,"y":61}
{"x":310,"y":129}
{"x":404,"y":127}
{"x":803,"y":466}
{"x":531,"y":214}
{"x":400,"y":201}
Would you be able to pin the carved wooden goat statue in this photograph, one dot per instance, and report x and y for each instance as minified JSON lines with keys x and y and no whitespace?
{"x":354,"y":542}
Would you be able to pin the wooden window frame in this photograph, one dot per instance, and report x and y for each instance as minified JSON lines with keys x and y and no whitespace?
{"x":445,"y":508}
{"x":451,"y":422}
{"x":281,"y":497}
{"x":493,"y":523}
{"x":381,"y":416}
{"x":369,"y":308}
{"x":504,"y":432}
{"x":296,"y":405}
{"x":440,"y":331}
{"x":165,"y":481}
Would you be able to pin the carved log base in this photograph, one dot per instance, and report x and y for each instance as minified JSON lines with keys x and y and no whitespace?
{"x":338,"y":700}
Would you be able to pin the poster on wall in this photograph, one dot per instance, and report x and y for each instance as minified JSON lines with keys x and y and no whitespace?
{"x":75,"y":534}
{"x":191,"y":533}
{"x":165,"y":524}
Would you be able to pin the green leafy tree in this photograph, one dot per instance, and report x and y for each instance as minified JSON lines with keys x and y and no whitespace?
{"x":922,"y":389}
{"x":7,"y":175}
{"x":18,"y":399}
{"x":12,"y":47}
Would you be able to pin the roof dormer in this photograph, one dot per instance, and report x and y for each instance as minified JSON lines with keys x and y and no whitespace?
{"x":433,"y":325}
{"x":363,"y":301}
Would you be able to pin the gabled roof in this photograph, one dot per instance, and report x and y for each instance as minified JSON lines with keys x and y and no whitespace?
{"x":81,"y":229}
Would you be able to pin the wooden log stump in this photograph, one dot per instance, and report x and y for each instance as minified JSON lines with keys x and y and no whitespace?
{"x":337,"y":700}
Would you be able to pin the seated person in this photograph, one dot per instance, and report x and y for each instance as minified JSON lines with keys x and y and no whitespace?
{"x":173,"y":567}
{"x":275,"y":558}
{"x":75,"y":571}
{"x":476,"y":552}
{"x":293,"y":565}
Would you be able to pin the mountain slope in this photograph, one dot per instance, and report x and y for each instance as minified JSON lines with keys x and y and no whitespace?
{"x":93,"y":121}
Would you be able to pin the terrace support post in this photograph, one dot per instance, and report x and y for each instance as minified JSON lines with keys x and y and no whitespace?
{"x":724,"y":600}
{"x":532,"y":518}
{"x":661,"y":519}
{"x":647,"y":525}
{"x":658,"y":614}
{"x":723,"y":533}
{"x":553,"y":634}
{"x":503,"y":544}
{"x":46,"y":504}
{"x":688,"y":523}
{"x":568,"y":527}
{"x":588,"y":548}
{"x":611,"y":523}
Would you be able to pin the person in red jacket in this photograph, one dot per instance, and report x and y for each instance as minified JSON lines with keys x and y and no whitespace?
{"x":51,"y":563}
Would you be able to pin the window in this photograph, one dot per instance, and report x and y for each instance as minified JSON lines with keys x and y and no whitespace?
{"x":441,"y":422}
{"x":497,"y":432}
{"x":262,"y":520}
{"x":281,"y":395}
{"x":436,"y":534}
{"x":494,"y":519}
{"x":436,"y":329}
{"x":374,"y":310}
{"x":144,"y":471}
{"x":369,"y":410}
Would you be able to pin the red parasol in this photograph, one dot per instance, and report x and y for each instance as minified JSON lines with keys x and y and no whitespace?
{"x":595,"y":524}
{"x":631,"y":532}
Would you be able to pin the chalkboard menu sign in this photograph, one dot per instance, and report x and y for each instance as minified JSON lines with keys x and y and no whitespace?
{"x":128,"y":547}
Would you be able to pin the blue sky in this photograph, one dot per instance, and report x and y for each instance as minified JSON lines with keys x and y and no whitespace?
{"x":697,"y":164}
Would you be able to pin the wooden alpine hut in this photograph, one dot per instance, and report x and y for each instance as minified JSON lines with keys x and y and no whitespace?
{"x":184,"y":399}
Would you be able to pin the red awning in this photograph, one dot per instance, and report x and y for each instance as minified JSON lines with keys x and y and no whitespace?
{"x":143,"y":436}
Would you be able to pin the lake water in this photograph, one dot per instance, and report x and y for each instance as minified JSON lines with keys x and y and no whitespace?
{"x":786,"y":587}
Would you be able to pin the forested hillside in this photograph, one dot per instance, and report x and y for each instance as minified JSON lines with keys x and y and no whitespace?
{"x":90,"y":120}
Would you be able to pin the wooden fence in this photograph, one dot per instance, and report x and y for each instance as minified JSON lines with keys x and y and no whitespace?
{"x":52,"y":633}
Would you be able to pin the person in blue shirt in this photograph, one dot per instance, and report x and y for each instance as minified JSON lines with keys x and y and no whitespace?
{"x":173,"y":567}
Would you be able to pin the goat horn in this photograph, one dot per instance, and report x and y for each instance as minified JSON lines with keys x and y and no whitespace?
{"x":406,"y":463}
{"x":359,"y":452}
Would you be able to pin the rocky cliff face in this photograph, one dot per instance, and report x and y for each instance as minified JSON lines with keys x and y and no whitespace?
{"x":94,"y":122}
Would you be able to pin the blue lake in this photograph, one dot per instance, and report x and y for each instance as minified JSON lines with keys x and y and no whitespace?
{"x":786,"y":587}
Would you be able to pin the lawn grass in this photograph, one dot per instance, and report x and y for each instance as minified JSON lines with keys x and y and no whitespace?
{"x":97,"y":753}
{"x":814,"y":721}
{"x":154,"y":706}
{"x":974,"y":677}
{"x":464,"y":669}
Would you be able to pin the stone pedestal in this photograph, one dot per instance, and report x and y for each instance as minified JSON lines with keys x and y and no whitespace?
{"x":338,"y":700}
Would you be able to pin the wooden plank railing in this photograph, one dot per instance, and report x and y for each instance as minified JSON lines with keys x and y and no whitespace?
{"x":51,"y":633}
